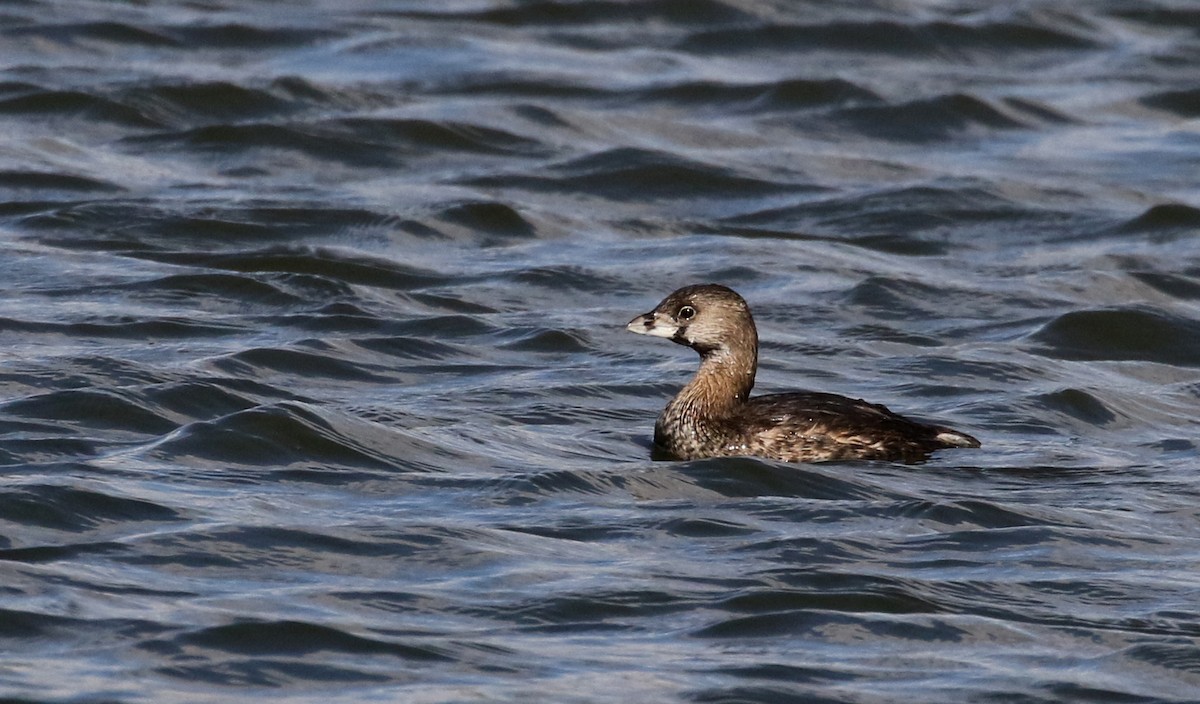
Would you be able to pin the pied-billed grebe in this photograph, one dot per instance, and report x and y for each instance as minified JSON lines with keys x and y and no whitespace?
{"x":714,"y":416}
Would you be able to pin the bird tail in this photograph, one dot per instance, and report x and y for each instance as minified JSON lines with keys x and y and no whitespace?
{"x":953,"y":438}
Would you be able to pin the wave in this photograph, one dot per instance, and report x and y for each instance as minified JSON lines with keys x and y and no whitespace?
{"x":635,"y":174}
{"x":1122,"y":334}
{"x":937,"y":39}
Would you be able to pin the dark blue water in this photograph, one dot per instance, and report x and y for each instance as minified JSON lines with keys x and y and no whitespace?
{"x":314,"y":384}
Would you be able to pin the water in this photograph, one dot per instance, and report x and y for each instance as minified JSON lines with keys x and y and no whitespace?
{"x":314,"y":384}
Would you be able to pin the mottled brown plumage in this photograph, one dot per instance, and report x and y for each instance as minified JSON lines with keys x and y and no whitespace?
{"x":714,"y":416}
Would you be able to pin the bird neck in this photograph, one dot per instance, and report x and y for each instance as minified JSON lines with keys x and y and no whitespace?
{"x":723,"y":381}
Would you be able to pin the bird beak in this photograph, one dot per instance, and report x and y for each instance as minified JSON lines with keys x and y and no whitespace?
{"x":650,"y":324}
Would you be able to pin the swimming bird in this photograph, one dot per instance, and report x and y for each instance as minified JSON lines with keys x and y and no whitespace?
{"x":715,"y":416}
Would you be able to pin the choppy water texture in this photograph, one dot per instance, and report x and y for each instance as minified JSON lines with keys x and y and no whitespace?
{"x":314,"y":385}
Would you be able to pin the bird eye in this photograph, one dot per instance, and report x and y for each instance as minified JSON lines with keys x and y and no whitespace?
{"x":686,"y":313}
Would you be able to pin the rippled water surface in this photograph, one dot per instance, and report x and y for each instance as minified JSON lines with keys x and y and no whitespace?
{"x":314,"y":384}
